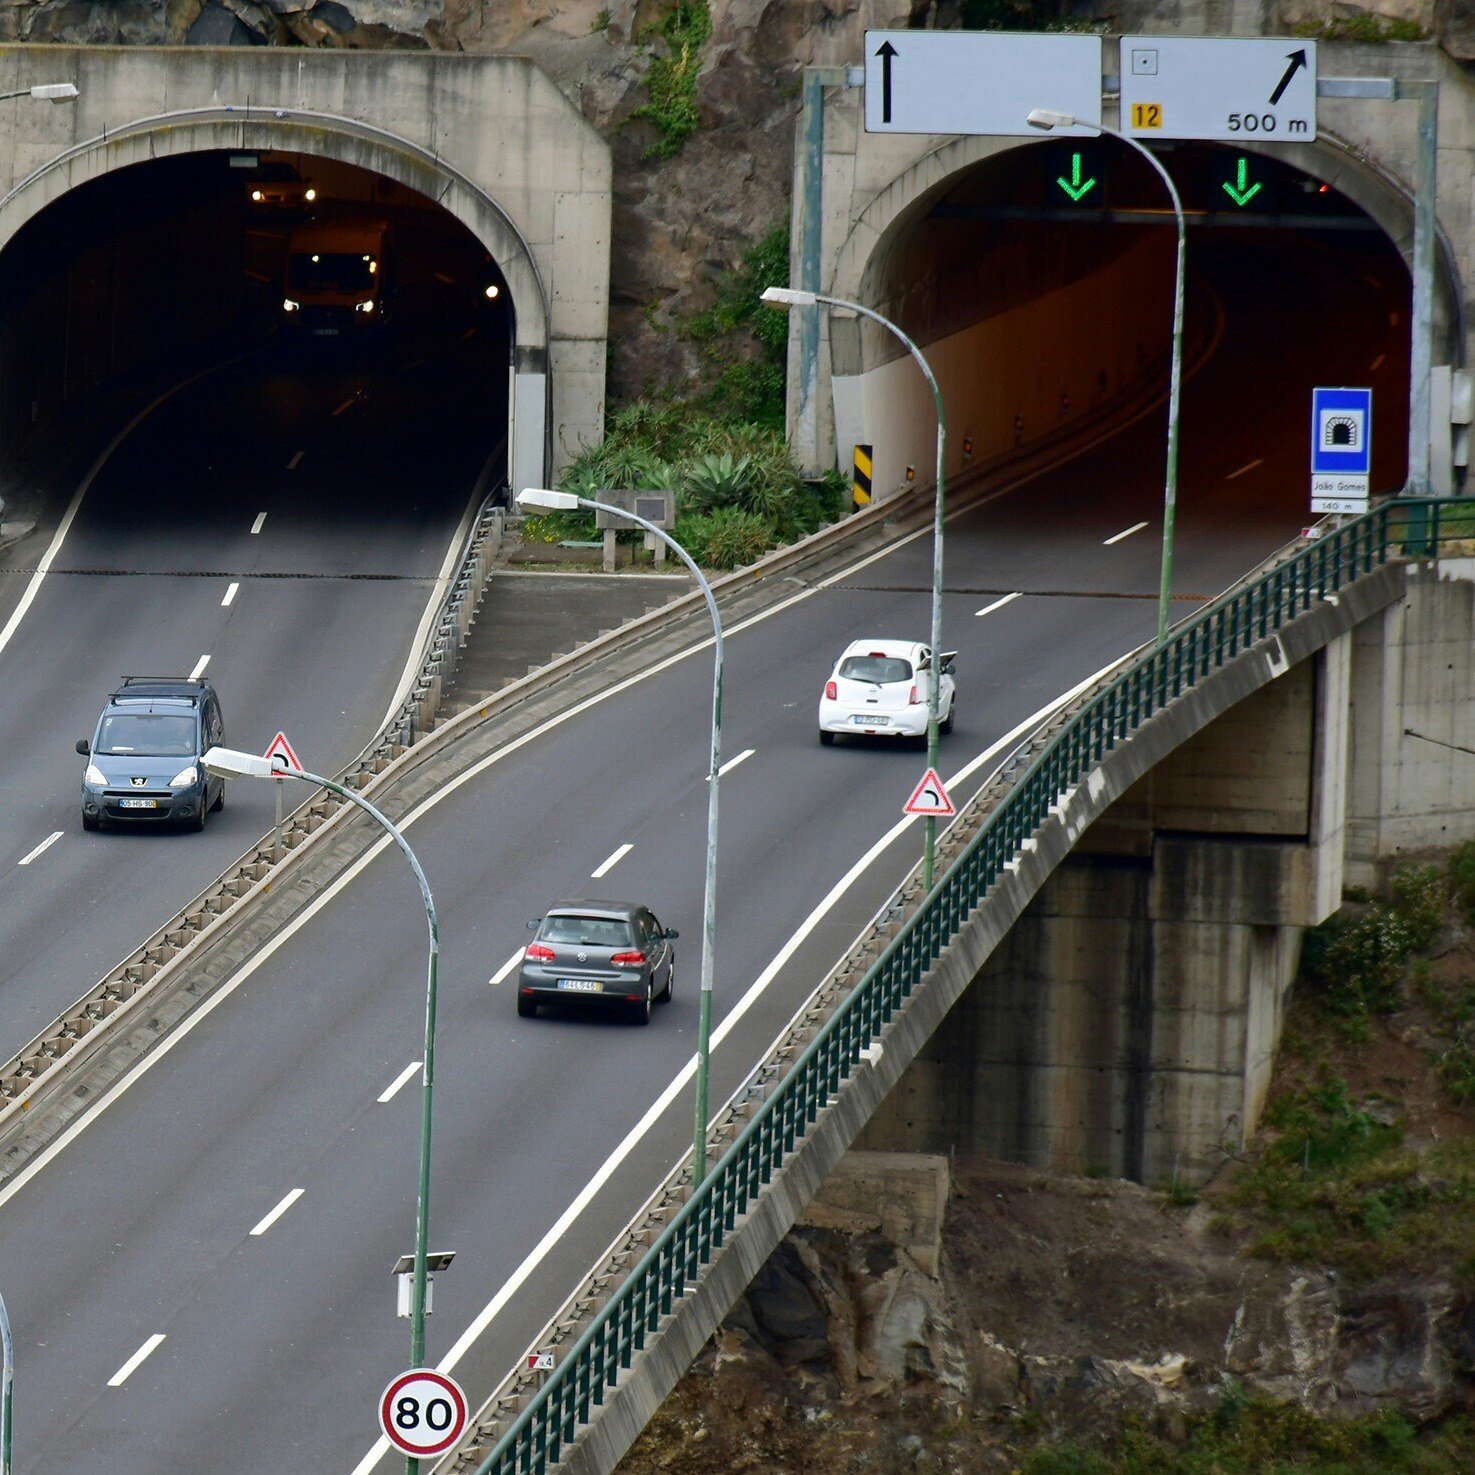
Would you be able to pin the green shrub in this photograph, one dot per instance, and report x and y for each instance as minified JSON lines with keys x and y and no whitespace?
{"x":1420,"y":899}
{"x":671,"y":81}
{"x":1354,"y":965}
{"x":724,"y":539}
{"x":1457,"y":1071}
{"x":1361,"y":26}
{"x":1462,"y":879}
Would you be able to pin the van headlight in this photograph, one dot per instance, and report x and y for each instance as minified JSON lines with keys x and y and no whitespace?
{"x":95,"y":776}
{"x":364,"y":306}
{"x":289,"y":306}
{"x":310,"y":196}
{"x":184,"y":777}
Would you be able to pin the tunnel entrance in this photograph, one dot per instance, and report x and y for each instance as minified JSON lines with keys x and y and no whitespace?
{"x":1039,"y":280}
{"x":153,"y":272}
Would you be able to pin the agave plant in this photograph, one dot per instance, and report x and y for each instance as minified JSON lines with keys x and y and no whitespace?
{"x":717,"y":480}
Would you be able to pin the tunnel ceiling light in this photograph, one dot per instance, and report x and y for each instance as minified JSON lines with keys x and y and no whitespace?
{"x":54,"y":91}
{"x":493,"y":290}
{"x":1047,"y":118}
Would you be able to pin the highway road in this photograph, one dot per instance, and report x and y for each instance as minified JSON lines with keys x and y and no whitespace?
{"x":247,"y":528}
{"x":199,"y":1275}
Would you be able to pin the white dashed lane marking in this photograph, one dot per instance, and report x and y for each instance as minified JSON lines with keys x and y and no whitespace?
{"x":501,"y":975}
{"x":988,"y":609}
{"x":121,"y":1376}
{"x":46,"y":844}
{"x":389,"y":1093}
{"x":612,"y":862}
{"x":1125,"y":533}
{"x":263,"y":1225}
{"x":230,"y":596}
{"x":260,"y":518}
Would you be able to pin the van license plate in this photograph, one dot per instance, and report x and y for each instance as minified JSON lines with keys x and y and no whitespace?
{"x":138,"y":803}
{"x":581,"y":985}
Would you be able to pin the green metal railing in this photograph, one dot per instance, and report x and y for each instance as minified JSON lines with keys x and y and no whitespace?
{"x":1208,"y":641}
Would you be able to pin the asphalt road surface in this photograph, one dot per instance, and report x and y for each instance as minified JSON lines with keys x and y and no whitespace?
{"x":200,"y":1279}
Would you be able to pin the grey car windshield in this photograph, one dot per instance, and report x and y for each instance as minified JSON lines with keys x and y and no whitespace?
{"x":881,"y":669}
{"x":146,"y":735}
{"x":590,"y":931}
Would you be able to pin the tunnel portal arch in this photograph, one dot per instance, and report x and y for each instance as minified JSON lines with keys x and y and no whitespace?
{"x":488,"y":138}
{"x":888,"y":185}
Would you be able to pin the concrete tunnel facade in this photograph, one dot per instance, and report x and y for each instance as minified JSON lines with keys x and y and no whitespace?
{"x":488,"y":138}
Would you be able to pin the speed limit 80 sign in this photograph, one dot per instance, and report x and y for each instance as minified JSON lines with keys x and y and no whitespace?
{"x":423,"y":1412}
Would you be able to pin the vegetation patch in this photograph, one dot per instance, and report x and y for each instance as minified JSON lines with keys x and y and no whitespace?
{"x":1360,"y":25}
{"x":1346,"y":1172}
{"x":671,"y":81}
{"x":1246,"y":1436}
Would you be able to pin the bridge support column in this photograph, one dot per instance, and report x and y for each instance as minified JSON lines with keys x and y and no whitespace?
{"x":1127,"y":1022}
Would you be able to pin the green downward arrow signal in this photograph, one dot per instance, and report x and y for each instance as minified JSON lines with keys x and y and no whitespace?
{"x":1075,"y":186}
{"x":1242,"y":193}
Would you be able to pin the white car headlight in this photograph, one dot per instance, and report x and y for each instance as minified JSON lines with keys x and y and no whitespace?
{"x":185,"y":776}
{"x":257,"y":195}
{"x":310,"y":196}
{"x":289,"y":306}
{"x":95,"y":776}
{"x":364,"y":306}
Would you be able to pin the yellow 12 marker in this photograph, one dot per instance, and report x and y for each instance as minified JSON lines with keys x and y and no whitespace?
{"x":1147,"y":115}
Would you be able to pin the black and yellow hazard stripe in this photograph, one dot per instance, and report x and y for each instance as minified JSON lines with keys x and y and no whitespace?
{"x":860,"y":484}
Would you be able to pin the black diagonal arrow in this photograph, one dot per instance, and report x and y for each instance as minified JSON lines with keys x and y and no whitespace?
{"x":886,"y":51}
{"x":1297,"y":60}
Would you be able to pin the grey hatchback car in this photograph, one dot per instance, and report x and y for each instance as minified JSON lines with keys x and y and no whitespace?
{"x":144,"y":760}
{"x":606,"y":952}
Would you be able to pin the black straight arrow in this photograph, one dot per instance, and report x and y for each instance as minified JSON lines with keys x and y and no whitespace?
{"x":886,"y":51}
{"x":1297,"y":60}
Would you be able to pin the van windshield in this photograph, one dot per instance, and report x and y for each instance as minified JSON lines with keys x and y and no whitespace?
{"x":146,"y":735}
{"x":331,"y":271}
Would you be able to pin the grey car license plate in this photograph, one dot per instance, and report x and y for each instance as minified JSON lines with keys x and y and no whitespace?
{"x":138,"y":803}
{"x":581,"y":985}
{"x":865,"y":719}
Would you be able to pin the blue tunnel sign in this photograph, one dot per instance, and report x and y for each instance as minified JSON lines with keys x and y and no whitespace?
{"x":1341,"y":449}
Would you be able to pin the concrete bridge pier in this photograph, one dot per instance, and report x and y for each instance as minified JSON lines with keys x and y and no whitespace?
{"x":1128,"y":1021}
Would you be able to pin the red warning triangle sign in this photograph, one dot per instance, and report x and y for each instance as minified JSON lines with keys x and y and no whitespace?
{"x":930,"y":798}
{"x":280,"y":755}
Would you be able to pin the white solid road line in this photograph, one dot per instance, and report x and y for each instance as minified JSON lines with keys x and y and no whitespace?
{"x":121,"y":1376}
{"x":1125,"y":533}
{"x":611,"y":863}
{"x":399,"y":1080}
{"x":292,"y":464}
{"x":200,"y":667}
{"x":683,"y":1077}
{"x":46,"y":844}
{"x":264,"y":1224}
{"x":500,"y":976}
{"x":733,"y":763}
{"x":1258,"y":461}
{"x":260,"y":518}
{"x":230,"y":596}
{"x":988,"y":609}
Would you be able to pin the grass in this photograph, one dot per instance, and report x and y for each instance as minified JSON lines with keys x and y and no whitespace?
{"x":671,"y":81}
{"x":1250,"y":1436}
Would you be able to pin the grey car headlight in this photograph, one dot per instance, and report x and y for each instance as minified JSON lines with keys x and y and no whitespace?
{"x":190,"y":775}
{"x":95,"y":776}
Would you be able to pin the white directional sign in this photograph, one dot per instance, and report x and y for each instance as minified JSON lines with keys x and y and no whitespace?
{"x":979,"y":81}
{"x":423,"y":1412}
{"x":1219,"y":87}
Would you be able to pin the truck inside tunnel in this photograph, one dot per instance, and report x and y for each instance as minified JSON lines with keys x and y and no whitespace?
{"x":1040,"y":282}
{"x":157,"y":272}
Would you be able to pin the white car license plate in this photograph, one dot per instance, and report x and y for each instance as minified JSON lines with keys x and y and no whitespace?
{"x":865,"y":719}
{"x":138,"y":803}
{"x":581,"y":985}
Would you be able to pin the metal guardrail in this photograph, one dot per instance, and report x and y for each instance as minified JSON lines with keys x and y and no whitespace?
{"x":1204,"y":643}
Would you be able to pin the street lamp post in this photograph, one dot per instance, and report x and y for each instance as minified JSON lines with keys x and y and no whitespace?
{"x":1045,"y":119}
{"x":229,"y":763}
{"x":539,"y":497}
{"x":7,"y":1349}
{"x":786,"y":297}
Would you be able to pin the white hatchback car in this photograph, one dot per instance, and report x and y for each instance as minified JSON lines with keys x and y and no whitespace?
{"x":879,"y":689}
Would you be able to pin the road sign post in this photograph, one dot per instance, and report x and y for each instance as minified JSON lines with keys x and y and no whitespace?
{"x":282,"y":757}
{"x":1341,"y":449}
{"x":930,"y":798}
{"x":423,"y":1412}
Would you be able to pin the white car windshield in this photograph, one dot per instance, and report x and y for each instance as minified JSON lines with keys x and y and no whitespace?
{"x":880,"y":669}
